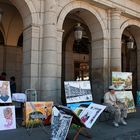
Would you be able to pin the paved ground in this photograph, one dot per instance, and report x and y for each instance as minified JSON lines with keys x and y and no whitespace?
{"x":100,"y":131}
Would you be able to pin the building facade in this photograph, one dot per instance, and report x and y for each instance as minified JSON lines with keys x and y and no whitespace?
{"x":37,"y":43}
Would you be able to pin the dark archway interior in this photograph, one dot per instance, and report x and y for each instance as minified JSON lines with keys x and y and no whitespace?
{"x":129,"y":57}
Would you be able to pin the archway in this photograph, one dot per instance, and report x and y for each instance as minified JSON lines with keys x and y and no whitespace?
{"x":130,"y":55}
{"x":17,"y":18}
{"x":94,"y":31}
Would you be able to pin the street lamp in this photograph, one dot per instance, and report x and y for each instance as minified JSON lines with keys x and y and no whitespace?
{"x":78,"y":32}
{"x":130,"y":43}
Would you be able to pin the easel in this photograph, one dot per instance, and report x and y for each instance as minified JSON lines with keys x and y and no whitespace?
{"x":76,"y":120}
{"x":36,"y":115}
{"x":82,"y":131}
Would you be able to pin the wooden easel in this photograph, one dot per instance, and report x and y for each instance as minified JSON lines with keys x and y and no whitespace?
{"x":81,"y":130}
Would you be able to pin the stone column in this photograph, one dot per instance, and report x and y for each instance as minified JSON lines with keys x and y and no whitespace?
{"x":49,"y":54}
{"x":115,"y":48}
{"x":30,"y":69}
{"x":59,"y":64}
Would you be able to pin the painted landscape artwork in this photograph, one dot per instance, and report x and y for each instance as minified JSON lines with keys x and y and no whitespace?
{"x":7,"y":118}
{"x":77,"y":91}
{"x":126,"y":97}
{"x":42,"y":109}
{"x":5,"y":93}
{"x":122,"y":80}
{"x":60,"y":124}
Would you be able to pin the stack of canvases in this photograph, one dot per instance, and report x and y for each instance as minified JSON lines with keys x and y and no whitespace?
{"x":80,"y":109}
{"x":7,"y":111}
{"x":122,"y":82}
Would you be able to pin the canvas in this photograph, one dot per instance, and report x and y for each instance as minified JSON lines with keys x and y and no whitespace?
{"x":59,"y":125}
{"x":78,"y":107}
{"x":122,"y":80}
{"x":126,"y":97}
{"x":42,"y":109}
{"x":77,"y":91}
{"x":7,"y":118}
{"x":91,"y":113}
{"x":5,"y":93}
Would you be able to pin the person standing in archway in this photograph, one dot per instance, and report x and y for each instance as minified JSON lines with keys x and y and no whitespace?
{"x":12,"y":84}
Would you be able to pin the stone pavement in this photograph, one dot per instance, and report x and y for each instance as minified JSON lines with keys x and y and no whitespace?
{"x":100,"y":131}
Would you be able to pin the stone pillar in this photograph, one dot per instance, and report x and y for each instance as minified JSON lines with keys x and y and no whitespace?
{"x":59,"y":64}
{"x":30,"y":69}
{"x":115,"y":47}
{"x":49,"y":54}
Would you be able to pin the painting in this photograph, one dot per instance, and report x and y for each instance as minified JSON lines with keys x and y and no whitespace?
{"x":122,"y":80}
{"x":126,"y":97}
{"x":41,"y":109}
{"x":5,"y":93}
{"x":78,"y":108}
{"x":60,"y":124}
{"x":77,"y":91}
{"x":7,"y":118}
{"x":91,"y":113}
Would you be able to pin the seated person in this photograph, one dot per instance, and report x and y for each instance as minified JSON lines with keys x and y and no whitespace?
{"x":118,"y":109}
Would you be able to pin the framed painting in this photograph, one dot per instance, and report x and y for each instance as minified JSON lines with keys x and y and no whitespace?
{"x":126,"y":97}
{"x":77,"y":91}
{"x":122,"y":80}
{"x":7,"y":118}
{"x":5,"y":93}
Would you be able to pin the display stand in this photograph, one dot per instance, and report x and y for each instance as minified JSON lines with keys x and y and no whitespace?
{"x":81,"y":130}
{"x":18,"y":100}
{"x":35,"y":115}
{"x":7,"y":110}
{"x":122,"y":83}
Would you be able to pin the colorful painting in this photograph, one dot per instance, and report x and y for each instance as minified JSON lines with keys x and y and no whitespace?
{"x":7,"y":118}
{"x":60,"y":124}
{"x":91,"y":113}
{"x":122,"y":80}
{"x":78,"y":108}
{"x":77,"y":91}
{"x":5,"y":93}
{"x":34,"y":110}
{"x":126,"y":97}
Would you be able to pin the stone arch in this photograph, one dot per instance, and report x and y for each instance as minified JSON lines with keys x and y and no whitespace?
{"x":27,"y":11}
{"x":31,"y":37}
{"x":127,"y":23}
{"x":83,"y":5}
{"x":99,"y":42}
{"x":134,"y":29}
